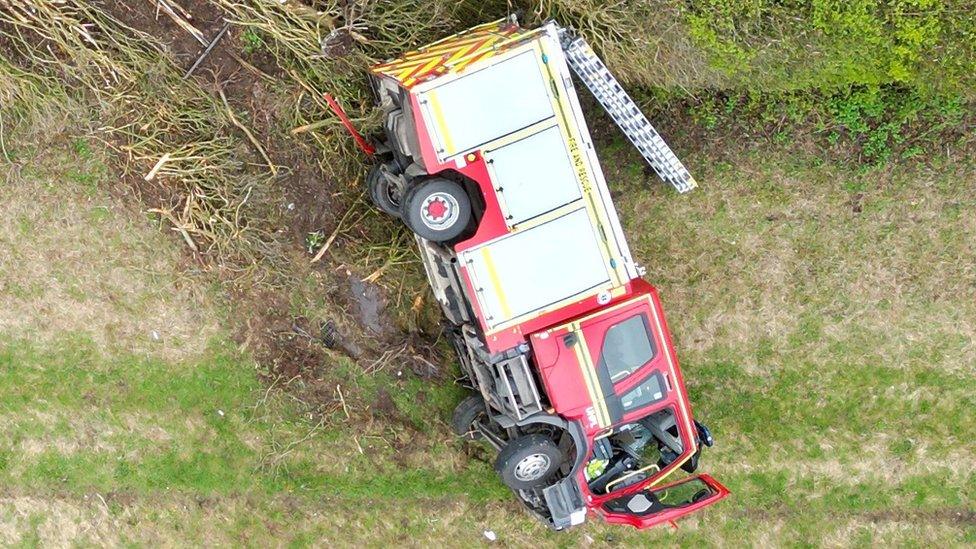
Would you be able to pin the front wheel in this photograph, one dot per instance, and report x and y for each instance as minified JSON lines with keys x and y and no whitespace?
{"x":466,"y":414}
{"x":436,"y":209}
{"x":529,"y":462}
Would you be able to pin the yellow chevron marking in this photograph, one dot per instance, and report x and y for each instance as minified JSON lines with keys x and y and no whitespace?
{"x":424,"y":69}
{"x":453,"y":52}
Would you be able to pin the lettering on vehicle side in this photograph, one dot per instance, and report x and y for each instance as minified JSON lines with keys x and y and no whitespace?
{"x":591,"y":416}
{"x":579,"y":163}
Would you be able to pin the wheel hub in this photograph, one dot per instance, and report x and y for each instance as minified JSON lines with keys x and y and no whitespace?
{"x":439,"y":211}
{"x":532,"y":467}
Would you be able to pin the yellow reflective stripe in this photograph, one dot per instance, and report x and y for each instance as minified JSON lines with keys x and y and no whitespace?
{"x":600,"y":403}
{"x":674,"y":467}
{"x":496,"y":283}
{"x":589,"y":385}
{"x":570,"y":130}
{"x":435,"y":107}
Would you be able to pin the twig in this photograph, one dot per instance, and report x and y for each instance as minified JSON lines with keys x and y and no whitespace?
{"x":263,"y":401}
{"x":3,"y":147}
{"x":254,"y":141}
{"x":181,"y":9}
{"x":390,"y":261}
{"x":277,"y":457}
{"x":343,"y":401}
{"x":179,"y":227}
{"x":334,"y":235}
{"x":206,"y":52}
{"x":179,"y":20}
{"x":155,"y":169}
{"x":312,"y":126}
{"x":103,"y":501}
{"x":258,"y":72}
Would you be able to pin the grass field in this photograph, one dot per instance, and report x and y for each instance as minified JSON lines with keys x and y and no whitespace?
{"x":824,"y":313}
{"x":831,"y":351}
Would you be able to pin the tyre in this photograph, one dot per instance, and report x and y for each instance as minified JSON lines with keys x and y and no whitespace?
{"x":529,"y":462}
{"x":465,"y":414}
{"x":436,"y":209}
{"x":381,"y":190}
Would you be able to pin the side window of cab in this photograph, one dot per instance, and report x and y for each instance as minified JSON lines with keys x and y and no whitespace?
{"x":648,"y":391}
{"x":627,"y":346}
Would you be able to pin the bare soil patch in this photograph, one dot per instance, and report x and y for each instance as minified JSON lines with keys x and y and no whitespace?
{"x":301,"y":200}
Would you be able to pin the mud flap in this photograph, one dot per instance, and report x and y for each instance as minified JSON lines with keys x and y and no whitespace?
{"x":653,"y":506}
{"x":565,"y":503}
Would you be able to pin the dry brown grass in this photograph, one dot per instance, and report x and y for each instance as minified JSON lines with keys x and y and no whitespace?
{"x":794,"y":251}
{"x":645,"y":43}
{"x":113,"y":519}
{"x":872,"y":465}
{"x":80,"y":262}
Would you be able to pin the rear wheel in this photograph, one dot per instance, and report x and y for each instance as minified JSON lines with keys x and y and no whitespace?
{"x":382,"y":191}
{"x":436,"y":209}
{"x":529,"y":462}
{"x":466,"y":413}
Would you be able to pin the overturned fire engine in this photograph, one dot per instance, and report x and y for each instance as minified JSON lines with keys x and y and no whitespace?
{"x":487,"y":159}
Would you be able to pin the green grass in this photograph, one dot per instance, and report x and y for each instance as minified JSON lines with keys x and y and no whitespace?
{"x":838,"y":391}
{"x":822,"y":308}
{"x":78,"y":422}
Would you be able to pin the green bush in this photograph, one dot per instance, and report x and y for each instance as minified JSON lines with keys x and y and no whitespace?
{"x":779,"y":44}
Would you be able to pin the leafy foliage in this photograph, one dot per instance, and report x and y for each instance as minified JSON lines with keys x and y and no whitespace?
{"x":874,"y":124}
{"x":836,"y":43}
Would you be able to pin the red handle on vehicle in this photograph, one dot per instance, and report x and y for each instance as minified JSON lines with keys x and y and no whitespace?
{"x":360,"y":140}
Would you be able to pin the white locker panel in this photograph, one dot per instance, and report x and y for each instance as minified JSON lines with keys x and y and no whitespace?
{"x":535,"y":175}
{"x":537,"y":267}
{"x":487,"y":104}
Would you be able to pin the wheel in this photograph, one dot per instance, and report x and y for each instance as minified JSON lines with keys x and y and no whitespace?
{"x":528,"y":462}
{"x":383,"y":193}
{"x":436,"y":209}
{"x":465,"y":414}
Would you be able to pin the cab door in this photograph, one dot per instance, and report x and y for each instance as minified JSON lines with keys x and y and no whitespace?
{"x":611,"y":366}
{"x":652,"y":506}
{"x":629,"y":352}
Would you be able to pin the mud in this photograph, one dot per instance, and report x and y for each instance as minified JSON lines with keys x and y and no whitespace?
{"x":181,"y":44}
{"x":293,"y":352}
{"x":369,"y":306}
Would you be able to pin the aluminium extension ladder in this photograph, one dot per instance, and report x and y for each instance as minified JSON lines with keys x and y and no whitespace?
{"x":597,"y":77}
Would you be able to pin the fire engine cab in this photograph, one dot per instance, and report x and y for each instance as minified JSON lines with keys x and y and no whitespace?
{"x":488,"y":160}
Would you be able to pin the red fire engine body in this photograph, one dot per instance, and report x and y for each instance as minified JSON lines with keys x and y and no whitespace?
{"x":487,"y":158}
